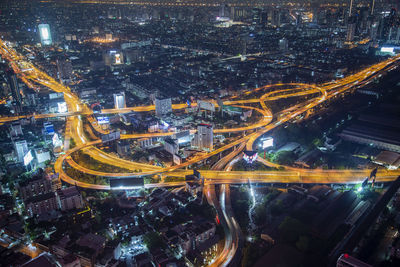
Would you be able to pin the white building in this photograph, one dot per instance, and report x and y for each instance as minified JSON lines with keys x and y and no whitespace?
{"x":42,"y":155}
{"x":163,"y":106}
{"x":119,"y":100}
{"x":204,"y":137}
{"x":21,"y":148}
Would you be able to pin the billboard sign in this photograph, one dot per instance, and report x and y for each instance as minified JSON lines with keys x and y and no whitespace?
{"x":250,"y":156}
{"x":387,"y":49}
{"x":118,"y":59}
{"x":49,"y":128}
{"x":206,"y":105}
{"x":267,"y":142}
{"x":103,"y":120}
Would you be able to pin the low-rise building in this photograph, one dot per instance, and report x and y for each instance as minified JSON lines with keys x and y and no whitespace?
{"x":36,"y":186}
{"x":69,"y":198}
{"x":41,"y":204}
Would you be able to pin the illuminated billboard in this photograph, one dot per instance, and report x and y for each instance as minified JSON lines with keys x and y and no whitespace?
{"x":45,"y":35}
{"x":62,"y":107}
{"x":206,"y":105}
{"x":49,"y":128}
{"x":28,"y":158}
{"x":103,"y":120}
{"x":250,"y":156}
{"x":118,"y":59}
{"x":267,"y":142}
{"x":387,"y":49}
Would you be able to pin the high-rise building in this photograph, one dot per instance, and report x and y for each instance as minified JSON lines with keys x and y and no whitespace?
{"x":119,"y":100}
{"x":351,"y":29}
{"x":264,"y":17}
{"x":21,"y":148}
{"x":276,"y":17}
{"x":374,"y":31}
{"x":163,"y":106}
{"x":299,"y":20}
{"x":45,"y":34}
{"x":64,"y":67}
{"x":284,"y":45}
{"x":204,"y":137}
{"x":256,"y":16}
{"x":15,"y":91}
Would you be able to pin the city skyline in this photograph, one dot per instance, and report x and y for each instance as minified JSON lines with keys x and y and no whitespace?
{"x":231,"y":133}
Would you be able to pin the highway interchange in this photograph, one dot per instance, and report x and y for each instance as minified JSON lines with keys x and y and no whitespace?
{"x":220,"y":173}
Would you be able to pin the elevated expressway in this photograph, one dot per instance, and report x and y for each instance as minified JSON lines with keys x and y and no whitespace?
{"x":74,"y":129}
{"x":33,"y":76}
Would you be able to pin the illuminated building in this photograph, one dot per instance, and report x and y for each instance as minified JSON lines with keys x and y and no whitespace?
{"x":119,"y":100}
{"x":42,"y":155}
{"x":204,"y":137}
{"x":45,"y":34}
{"x":21,"y":148}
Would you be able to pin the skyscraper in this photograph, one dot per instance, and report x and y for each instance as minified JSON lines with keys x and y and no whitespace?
{"x":351,"y":29}
{"x":283,"y":45}
{"x":45,"y":34}
{"x":119,"y":100}
{"x":15,"y":91}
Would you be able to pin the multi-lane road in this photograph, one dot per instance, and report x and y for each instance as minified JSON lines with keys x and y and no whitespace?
{"x":326,"y":91}
{"x":220,"y":173}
